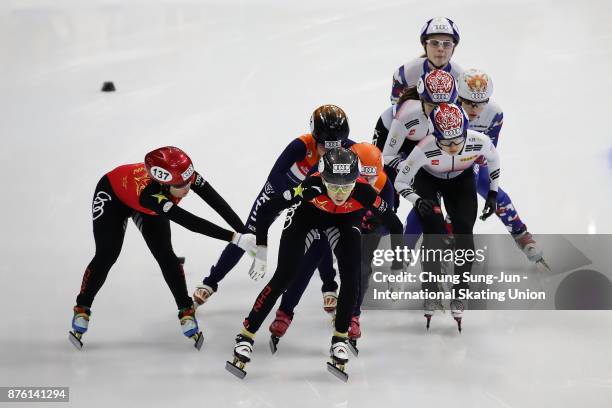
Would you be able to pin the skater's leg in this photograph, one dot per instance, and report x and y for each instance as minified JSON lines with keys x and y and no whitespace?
{"x":413,"y":229}
{"x":462,"y":206}
{"x":369,"y":243}
{"x":109,"y":223}
{"x":228,"y":259}
{"x":506,"y":211}
{"x":156,"y":233}
{"x":306,"y":268}
{"x":326,"y":266}
{"x":348,"y":253}
{"x":290,"y":254}
{"x":427,"y":187}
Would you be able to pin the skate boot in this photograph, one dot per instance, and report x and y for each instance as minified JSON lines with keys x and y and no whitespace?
{"x":457,"y":308}
{"x":201,"y":294}
{"x":189,"y":325}
{"x":339,"y":357}
{"x":330,"y":302}
{"x":429,"y":308}
{"x":354,"y":333}
{"x":524,"y":240}
{"x":242,"y":355}
{"x":80,"y":322}
{"x":278,"y":328}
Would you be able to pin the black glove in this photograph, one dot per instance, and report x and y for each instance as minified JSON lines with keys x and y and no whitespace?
{"x":490,"y":205}
{"x":425,"y":206}
{"x":369,"y":222}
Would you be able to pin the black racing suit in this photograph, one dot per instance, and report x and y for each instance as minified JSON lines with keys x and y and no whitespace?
{"x":309,"y":208}
{"x":110,"y":221}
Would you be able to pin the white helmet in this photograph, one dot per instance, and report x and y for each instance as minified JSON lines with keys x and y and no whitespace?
{"x":475,"y":86}
{"x":440,"y":25}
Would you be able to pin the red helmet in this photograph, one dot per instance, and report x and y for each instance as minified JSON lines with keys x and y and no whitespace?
{"x":169,"y":166}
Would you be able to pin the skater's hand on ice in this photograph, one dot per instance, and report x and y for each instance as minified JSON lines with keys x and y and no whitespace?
{"x":260,"y":263}
{"x":246,"y":242}
{"x":490,"y":205}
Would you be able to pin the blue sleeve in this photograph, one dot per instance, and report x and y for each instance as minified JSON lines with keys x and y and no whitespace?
{"x":496,"y":125}
{"x":388,"y":193}
{"x":348,"y":143}
{"x":399,"y":84}
{"x":294,"y":152}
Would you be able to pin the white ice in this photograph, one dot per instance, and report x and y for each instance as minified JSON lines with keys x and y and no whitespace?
{"x":232,"y":82}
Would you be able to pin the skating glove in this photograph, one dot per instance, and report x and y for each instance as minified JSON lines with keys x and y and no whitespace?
{"x":490,"y":205}
{"x":369,"y":221}
{"x":246,"y":242}
{"x":427,"y":207}
{"x":260,"y":263}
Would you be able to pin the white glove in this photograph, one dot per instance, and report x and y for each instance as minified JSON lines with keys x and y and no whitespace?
{"x":246,"y":242}
{"x":260,"y":263}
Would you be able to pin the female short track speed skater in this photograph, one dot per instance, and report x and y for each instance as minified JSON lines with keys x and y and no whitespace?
{"x":372,"y":171}
{"x":329,"y":128}
{"x":441,"y":166}
{"x":475,"y":89}
{"x":439,"y":38}
{"x":330,"y":200}
{"x":149,"y":193}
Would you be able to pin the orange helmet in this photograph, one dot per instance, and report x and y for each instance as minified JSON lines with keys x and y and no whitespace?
{"x":370,"y":158}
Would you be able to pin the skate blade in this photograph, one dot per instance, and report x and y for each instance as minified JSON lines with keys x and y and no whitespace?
{"x":76,"y":342}
{"x":543,"y":266}
{"x":338,"y":373}
{"x":232,"y":368}
{"x":273,"y":344}
{"x":352,"y":344}
{"x":428,"y":318}
{"x":458,"y":320}
{"x":199,"y":340}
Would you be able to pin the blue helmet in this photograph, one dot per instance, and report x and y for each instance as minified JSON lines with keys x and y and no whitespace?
{"x":440,"y":25}
{"x":449,"y":121}
{"x":436,"y":87}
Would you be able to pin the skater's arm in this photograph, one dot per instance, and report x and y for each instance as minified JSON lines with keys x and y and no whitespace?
{"x":490,"y":153}
{"x":292,"y":197}
{"x":495,"y":128}
{"x":367,"y":197}
{"x":398,"y":86}
{"x":203,"y":188}
{"x":156,"y":200}
{"x":391,"y":150}
{"x":408,"y":169}
{"x":294,"y":152}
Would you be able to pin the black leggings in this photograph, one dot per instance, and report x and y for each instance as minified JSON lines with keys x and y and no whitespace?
{"x":460,"y":201}
{"x":291,"y":253}
{"x":110,"y":217}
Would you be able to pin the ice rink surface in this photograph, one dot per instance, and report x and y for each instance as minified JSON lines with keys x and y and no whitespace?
{"x":232,"y":82}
